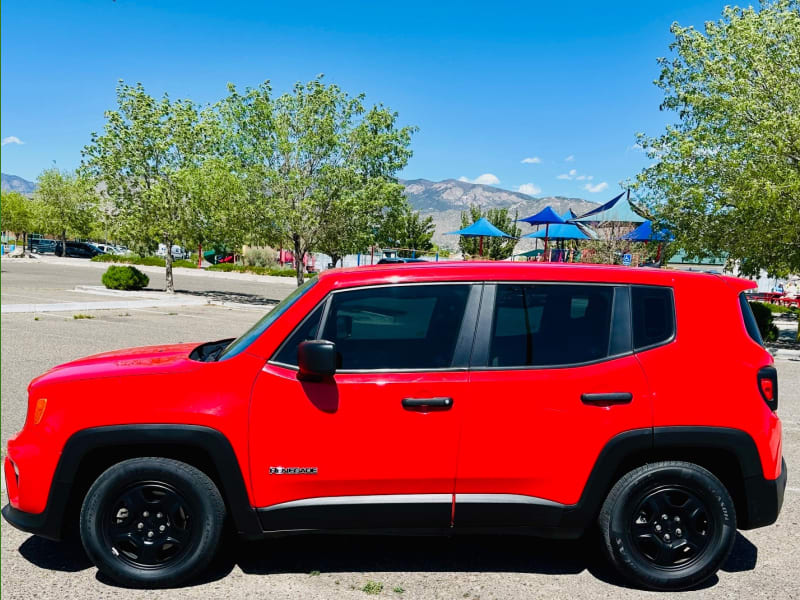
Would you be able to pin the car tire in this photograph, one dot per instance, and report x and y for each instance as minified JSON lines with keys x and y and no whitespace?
{"x":152,"y":522}
{"x":668,"y":525}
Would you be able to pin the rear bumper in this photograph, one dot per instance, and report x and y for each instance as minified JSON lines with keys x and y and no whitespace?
{"x":764,"y":499}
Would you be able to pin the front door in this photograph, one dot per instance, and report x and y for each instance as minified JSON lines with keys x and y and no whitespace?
{"x":553,"y":380}
{"x":376,"y":445}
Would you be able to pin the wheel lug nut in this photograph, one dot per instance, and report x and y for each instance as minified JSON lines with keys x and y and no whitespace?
{"x":666,"y":537}
{"x":140,"y":526}
{"x":677,"y":519}
{"x":161,"y":528}
{"x":159,"y":515}
{"x":658,"y":527}
{"x":663,"y":517}
{"x":678,"y":532}
{"x":145,"y":514}
{"x":150,"y":534}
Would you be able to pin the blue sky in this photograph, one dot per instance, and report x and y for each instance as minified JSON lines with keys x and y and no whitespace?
{"x":564,"y":84}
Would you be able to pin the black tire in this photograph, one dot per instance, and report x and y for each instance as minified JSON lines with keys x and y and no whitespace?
{"x":152,"y":522}
{"x":679,"y":551}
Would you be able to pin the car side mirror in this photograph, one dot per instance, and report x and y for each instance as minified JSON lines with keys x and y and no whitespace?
{"x":316,"y":360}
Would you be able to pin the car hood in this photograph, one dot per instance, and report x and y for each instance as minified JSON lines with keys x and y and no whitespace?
{"x":130,"y":361}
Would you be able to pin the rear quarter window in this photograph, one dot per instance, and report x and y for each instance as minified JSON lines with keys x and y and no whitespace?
{"x":653,"y":316}
{"x":750,"y":320}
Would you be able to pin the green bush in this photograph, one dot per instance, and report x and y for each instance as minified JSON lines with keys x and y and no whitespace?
{"x":260,"y":257}
{"x":763,"y":315}
{"x":147,"y":261}
{"x":124,"y":278}
{"x":276,"y":271}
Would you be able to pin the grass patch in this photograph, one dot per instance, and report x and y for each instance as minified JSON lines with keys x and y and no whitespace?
{"x":372,"y":588}
{"x":398,"y":590}
{"x":779,"y":308}
{"x":82,"y":316}
{"x":35,"y":318}
{"x":314,"y":573}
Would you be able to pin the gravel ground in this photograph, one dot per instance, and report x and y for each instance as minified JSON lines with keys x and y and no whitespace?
{"x":763,"y":564}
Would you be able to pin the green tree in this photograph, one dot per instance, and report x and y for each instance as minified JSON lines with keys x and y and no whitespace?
{"x":17,"y":214}
{"x":310,"y":158}
{"x":67,"y":204}
{"x":147,"y":156}
{"x":404,"y":227}
{"x":726,"y":177}
{"x":495,"y":248}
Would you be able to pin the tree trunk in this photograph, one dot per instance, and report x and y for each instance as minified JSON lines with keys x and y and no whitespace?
{"x":335,"y":258}
{"x":168,"y":263}
{"x":298,"y":259}
{"x":25,"y":251}
{"x":64,"y":242}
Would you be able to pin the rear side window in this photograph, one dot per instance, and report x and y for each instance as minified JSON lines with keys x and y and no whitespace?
{"x":653,"y":315}
{"x":396,"y":327}
{"x":750,"y":320}
{"x":539,"y":325}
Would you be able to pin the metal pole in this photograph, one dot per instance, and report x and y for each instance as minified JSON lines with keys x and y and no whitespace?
{"x":546,"y":234}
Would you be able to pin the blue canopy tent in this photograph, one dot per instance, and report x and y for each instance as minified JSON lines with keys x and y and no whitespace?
{"x":567,"y":231}
{"x":547,"y":216}
{"x":644,"y":233}
{"x":480,"y":229}
{"x":616,"y":210}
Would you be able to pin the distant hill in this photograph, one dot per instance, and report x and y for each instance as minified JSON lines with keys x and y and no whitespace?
{"x":12,"y":183}
{"x":445,"y":200}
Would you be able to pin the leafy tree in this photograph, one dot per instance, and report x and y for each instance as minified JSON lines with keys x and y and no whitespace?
{"x":67,"y":204}
{"x":310,"y":158}
{"x":147,"y":156}
{"x":493,"y":247}
{"x":726,"y":177}
{"x":404,"y":227}
{"x":17,"y":214}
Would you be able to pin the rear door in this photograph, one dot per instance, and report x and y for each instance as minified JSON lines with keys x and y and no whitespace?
{"x":553,"y":380}
{"x":376,"y":446}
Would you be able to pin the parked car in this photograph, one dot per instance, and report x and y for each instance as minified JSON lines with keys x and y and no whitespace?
{"x":177,"y":251}
{"x":394,"y":260}
{"x":77,"y":250}
{"x":539,"y":399}
{"x":104,"y":248}
{"x":42,"y":245}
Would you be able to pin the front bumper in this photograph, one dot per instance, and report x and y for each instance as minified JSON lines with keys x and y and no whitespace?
{"x":48,"y":523}
{"x":764,"y":499}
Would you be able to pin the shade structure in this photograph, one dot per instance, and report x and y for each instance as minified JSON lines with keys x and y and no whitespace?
{"x":645,"y":233}
{"x":547,"y":216}
{"x":616,"y":210}
{"x":570,"y":214}
{"x":567,"y":231}
{"x":480,"y":229}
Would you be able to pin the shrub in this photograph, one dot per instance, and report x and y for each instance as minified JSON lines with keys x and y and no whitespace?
{"x":260,"y":257}
{"x":125,"y":278}
{"x":763,"y":315}
{"x":147,"y":261}
{"x":277,"y":271}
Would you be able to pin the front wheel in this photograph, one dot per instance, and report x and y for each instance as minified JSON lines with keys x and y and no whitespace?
{"x":152,"y":522}
{"x":668,"y":525}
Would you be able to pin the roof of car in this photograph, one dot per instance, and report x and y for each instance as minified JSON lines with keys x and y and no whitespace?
{"x":518,"y":271}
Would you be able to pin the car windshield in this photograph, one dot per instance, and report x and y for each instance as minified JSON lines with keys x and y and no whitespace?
{"x":242,"y":342}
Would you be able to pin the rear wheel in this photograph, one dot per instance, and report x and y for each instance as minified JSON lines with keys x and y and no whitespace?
{"x":152,"y":522}
{"x":668,"y":525}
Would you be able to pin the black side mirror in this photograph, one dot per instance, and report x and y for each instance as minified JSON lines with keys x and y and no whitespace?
{"x":316,"y":360}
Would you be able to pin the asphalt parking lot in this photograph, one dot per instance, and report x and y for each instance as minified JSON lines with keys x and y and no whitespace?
{"x":765,"y":563}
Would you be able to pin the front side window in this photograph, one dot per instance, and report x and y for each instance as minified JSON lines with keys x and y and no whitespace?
{"x":653,"y":315}
{"x":537,"y":325}
{"x":413,"y":327}
{"x":307,"y":330}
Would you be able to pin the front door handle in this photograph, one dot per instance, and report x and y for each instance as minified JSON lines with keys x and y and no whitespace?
{"x":427,"y":404}
{"x":607,"y":399}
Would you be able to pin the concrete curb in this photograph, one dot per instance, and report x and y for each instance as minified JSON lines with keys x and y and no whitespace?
{"x":77,"y":306}
{"x":784,"y":353}
{"x":82,"y":262}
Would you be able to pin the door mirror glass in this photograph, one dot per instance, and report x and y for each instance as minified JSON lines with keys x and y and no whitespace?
{"x":316,"y":360}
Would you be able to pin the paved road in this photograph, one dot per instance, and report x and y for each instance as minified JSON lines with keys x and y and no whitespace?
{"x":765,"y":562}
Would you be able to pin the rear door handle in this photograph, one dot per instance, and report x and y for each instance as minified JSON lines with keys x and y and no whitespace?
{"x":607,"y":399}
{"x":426,"y":404}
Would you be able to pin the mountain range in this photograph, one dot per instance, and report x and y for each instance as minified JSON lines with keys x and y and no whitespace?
{"x":442,"y":200}
{"x":12,"y":183}
{"x":446,"y":200}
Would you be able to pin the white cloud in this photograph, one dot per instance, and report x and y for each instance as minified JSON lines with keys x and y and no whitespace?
{"x":580,"y":177}
{"x":529,"y":188}
{"x":595,"y":188}
{"x":12,"y":139}
{"x":563,"y":176}
{"x":570,"y":158}
{"x":531,"y":160}
{"x":571,"y":175}
{"x":485,"y":179}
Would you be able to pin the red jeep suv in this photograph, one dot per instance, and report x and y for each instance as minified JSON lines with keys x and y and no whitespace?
{"x":455,"y":398}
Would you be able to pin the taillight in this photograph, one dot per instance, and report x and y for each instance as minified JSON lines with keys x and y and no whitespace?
{"x":768,"y":386}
